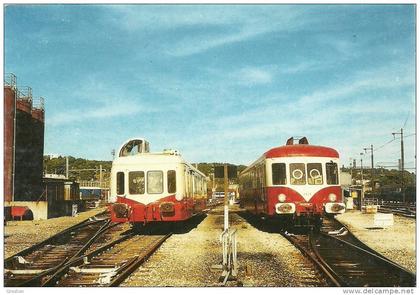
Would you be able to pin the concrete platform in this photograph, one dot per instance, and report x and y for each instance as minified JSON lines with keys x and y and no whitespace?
{"x":396,"y":242}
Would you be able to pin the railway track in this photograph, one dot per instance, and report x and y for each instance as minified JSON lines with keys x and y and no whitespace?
{"x":401,"y":210}
{"x":110,"y":265}
{"x":34,"y":264}
{"x":346,"y":261}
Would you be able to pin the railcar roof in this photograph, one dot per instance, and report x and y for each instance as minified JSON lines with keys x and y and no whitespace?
{"x":301,"y":150}
{"x":296,"y":150}
{"x":153,"y":158}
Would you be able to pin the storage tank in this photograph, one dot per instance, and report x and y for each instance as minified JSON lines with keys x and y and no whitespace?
{"x":9,"y":116}
{"x":23,"y":143}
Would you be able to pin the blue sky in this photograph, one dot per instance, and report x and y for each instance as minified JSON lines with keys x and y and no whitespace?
{"x":219,"y":82}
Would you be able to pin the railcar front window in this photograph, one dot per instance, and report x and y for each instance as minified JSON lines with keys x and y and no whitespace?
{"x":297,"y":173}
{"x":314,"y":171}
{"x":332,"y":173}
{"x":120,"y":183}
{"x":171,"y":181}
{"x":136,"y":182}
{"x":279,"y":173}
{"x":155,"y":182}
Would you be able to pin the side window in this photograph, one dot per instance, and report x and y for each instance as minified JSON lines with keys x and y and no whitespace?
{"x":120,"y":183}
{"x":332,"y":173}
{"x":154,"y":182}
{"x":171,"y":181}
{"x":314,"y":171}
{"x":136,"y":182}
{"x":278,"y":173}
{"x":297,"y":173}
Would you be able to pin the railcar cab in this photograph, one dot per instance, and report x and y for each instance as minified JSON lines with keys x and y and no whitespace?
{"x":309,"y":177}
{"x":154,"y":186}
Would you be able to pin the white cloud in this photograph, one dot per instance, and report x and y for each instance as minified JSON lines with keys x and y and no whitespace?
{"x":226,"y":25}
{"x":390,"y":77}
{"x":105,"y":111}
{"x":158,"y":17}
{"x":252,"y":76}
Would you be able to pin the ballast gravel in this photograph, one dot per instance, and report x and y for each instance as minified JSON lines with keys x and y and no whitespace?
{"x":396,"y":242}
{"x":186,"y":259}
{"x":19,"y":235}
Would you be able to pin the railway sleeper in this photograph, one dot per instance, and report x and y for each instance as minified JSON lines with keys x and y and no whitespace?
{"x":93,"y":270}
{"x":24,"y":271}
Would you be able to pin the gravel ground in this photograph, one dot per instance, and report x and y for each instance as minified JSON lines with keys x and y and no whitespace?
{"x":397,"y":243}
{"x":265,"y":259}
{"x":19,"y":235}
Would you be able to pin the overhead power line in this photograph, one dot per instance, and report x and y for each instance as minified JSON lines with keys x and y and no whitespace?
{"x":384,"y":144}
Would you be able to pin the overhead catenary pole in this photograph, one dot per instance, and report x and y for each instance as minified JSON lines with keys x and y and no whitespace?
{"x":67,"y":167}
{"x":100,"y":175}
{"x":401,"y":133}
{"x":372,"y":169}
{"x":226,"y":212}
{"x":402,"y":166}
{"x":362,"y":194}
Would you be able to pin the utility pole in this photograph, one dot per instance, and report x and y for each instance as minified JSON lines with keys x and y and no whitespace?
{"x":226,"y":212}
{"x":362,"y":194}
{"x":100,"y":175}
{"x":67,"y":167}
{"x":401,"y":133}
{"x":371,"y":173}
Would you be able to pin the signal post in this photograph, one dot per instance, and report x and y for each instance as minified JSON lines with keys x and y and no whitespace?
{"x":229,"y":264}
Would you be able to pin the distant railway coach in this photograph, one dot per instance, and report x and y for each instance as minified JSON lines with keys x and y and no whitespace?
{"x":154,"y":187}
{"x":296,"y":183}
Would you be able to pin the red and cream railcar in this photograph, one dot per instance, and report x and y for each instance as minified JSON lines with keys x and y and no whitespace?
{"x":296,"y":182}
{"x":154,"y":187}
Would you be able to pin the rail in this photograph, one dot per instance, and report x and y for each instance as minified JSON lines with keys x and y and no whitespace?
{"x":110,"y":265}
{"x":355,"y":266}
{"x":30,"y":266}
{"x":346,"y":261}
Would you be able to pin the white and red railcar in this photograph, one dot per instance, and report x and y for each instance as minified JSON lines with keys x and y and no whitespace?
{"x":154,"y":187}
{"x":297,"y":183}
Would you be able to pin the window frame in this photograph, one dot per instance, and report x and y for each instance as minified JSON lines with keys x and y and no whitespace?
{"x":284,"y":182}
{"x":308,"y":174}
{"x":174,"y":178}
{"x":129,"y":182}
{"x":118,"y":188}
{"x":162,"y":186}
{"x":335,"y":165}
{"x":292,"y":177}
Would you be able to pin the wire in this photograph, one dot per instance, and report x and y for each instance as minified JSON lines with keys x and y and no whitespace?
{"x":410,"y":134}
{"x":384,"y":144}
{"x":408,"y":115}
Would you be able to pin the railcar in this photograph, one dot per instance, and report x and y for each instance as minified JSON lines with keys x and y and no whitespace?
{"x":154,"y":187}
{"x":297,"y":183}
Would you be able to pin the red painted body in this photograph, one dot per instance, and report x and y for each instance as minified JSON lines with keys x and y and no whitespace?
{"x":142,"y":213}
{"x":314,"y":206}
{"x":259,"y":196}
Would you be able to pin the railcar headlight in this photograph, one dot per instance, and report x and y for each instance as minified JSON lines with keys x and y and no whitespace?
{"x":282,"y":197}
{"x":332,"y":197}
